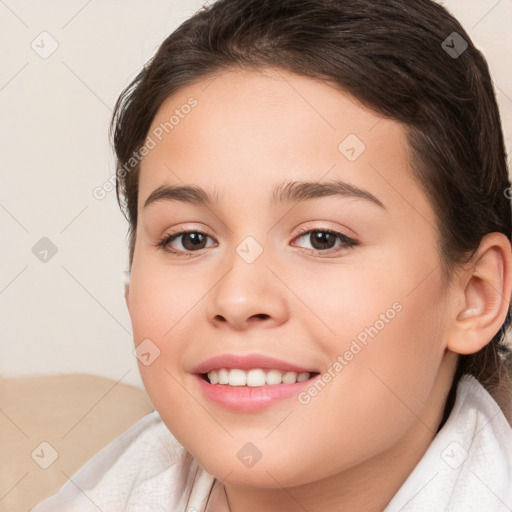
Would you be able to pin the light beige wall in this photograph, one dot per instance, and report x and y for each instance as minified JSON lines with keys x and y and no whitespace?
{"x":68,"y":314}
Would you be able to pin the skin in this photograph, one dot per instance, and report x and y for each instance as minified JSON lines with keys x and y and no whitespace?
{"x":354,"y":444}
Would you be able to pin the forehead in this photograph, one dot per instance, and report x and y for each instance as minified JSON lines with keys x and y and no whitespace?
{"x":253,"y":129}
{"x":256,"y":105}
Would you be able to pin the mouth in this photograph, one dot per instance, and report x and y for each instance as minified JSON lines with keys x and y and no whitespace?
{"x":251,"y":382}
{"x":248,"y":391}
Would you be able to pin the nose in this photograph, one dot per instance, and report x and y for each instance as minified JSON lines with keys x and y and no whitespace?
{"x":248,"y":295}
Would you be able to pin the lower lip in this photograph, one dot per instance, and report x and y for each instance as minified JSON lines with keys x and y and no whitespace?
{"x":248,"y":398}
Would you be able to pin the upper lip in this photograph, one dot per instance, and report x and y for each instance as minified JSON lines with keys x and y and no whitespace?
{"x":248,"y":362}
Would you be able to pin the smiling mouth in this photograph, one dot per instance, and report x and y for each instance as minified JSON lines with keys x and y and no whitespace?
{"x":256,"y":377}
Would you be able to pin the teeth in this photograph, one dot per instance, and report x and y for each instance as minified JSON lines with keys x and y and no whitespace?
{"x":274,"y":377}
{"x":223,"y":377}
{"x":255,"y":377}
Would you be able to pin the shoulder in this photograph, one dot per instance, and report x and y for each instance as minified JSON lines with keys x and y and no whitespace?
{"x":145,"y":466}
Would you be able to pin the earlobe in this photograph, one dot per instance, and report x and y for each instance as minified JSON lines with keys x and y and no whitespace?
{"x":487,"y":288}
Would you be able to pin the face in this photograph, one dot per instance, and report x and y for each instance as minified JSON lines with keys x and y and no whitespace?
{"x":342,"y":281}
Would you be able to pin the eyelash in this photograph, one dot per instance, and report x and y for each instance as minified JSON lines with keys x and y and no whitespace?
{"x":347,"y":242}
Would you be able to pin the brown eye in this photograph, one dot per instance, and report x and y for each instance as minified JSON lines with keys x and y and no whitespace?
{"x":193,"y":240}
{"x":322,"y":240}
{"x":326,"y":239}
{"x":190,"y":241}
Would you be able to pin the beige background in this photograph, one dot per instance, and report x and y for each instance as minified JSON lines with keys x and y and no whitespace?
{"x":68,"y":314}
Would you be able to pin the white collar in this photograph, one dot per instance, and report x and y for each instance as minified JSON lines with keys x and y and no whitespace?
{"x":468,"y":465}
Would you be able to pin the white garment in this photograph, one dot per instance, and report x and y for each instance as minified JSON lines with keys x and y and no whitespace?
{"x":467,"y":467}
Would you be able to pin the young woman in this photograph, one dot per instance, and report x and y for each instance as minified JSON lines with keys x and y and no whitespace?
{"x":321,"y":267}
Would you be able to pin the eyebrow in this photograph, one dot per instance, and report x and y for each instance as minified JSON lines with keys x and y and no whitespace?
{"x":286,"y":192}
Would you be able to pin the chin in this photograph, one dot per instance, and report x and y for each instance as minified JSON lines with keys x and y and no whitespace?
{"x":264,"y":475}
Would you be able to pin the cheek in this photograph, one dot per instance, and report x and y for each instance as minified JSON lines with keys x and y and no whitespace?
{"x":390,"y":359}
{"x":161,"y":306}
{"x":385,"y":341}
{"x":378,"y":387}
{"x":160,"y":301}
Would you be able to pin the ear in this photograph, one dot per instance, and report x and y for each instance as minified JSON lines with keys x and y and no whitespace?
{"x":485,"y":292}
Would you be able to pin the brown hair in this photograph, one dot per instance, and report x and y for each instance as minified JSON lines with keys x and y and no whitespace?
{"x":407,"y":60}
